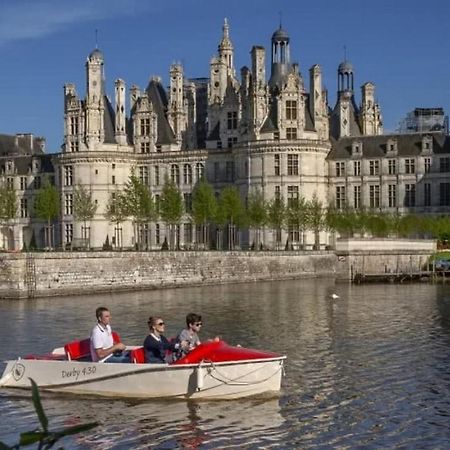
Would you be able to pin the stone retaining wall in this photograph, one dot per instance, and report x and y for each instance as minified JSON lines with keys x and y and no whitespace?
{"x":382,"y":256}
{"x":47,"y":274}
{"x":88,"y":272}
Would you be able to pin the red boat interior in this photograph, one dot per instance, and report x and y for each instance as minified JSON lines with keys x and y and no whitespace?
{"x":210,"y":351}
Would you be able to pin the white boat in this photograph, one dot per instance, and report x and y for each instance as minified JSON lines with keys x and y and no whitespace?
{"x":213,"y":370}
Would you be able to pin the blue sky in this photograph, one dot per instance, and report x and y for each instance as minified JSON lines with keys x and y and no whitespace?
{"x":403,"y":46}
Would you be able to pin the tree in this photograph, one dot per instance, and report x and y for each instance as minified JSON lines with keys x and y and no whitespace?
{"x":315,"y":219}
{"x":378,"y":224}
{"x":8,"y":205}
{"x":171,"y":208}
{"x":256,"y":214}
{"x":276,"y":216}
{"x":139,"y":204}
{"x":297,"y":216}
{"x":204,"y":207}
{"x":230,"y":212}
{"x":47,"y":207}
{"x":116,"y":213}
{"x":84,"y":209}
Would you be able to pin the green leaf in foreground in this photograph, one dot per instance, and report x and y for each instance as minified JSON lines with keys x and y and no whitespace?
{"x":38,"y":405}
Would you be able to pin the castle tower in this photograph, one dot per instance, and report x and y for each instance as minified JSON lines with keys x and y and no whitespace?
{"x":73,"y":123}
{"x":345,"y":98}
{"x":120,"y":132}
{"x":317,"y":102}
{"x":221,"y":68}
{"x":94,"y":99}
{"x":345,"y":77}
{"x":370,"y":111}
{"x":176,"y":114}
{"x":259,"y":101}
{"x":281,"y":64}
{"x":225,"y":49}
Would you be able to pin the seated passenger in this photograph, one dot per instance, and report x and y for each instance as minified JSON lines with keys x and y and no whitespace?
{"x":103,"y":348}
{"x":156,"y":344}
{"x":190,"y":334}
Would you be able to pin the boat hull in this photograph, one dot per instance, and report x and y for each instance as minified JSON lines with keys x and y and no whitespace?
{"x":221,"y":380}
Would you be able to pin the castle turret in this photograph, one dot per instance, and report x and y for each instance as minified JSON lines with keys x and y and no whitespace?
{"x":317,"y":102}
{"x":225,"y":49}
{"x":120,"y":132}
{"x":94,"y":99}
{"x":176,"y":113}
{"x":371,"y":122}
{"x":281,"y":64}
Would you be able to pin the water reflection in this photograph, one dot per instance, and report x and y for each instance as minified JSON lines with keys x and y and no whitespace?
{"x":368,"y":370}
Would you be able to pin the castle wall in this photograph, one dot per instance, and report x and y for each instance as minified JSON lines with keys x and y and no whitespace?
{"x":89,"y":272}
{"x":51,"y":274}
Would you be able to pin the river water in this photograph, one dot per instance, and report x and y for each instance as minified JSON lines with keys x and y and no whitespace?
{"x":369,"y":370}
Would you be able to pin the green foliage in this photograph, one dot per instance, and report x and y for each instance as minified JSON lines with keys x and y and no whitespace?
{"x":84,"y":207}
{"x":276,"y":213}
{"x":8,"y":203}
{"x":438,"y":227}
{"x":116,"y":208}
{"x":378,"y":224}
{"x":204,"y":203}
{"x":138,"y":201}
{"x":45,"y":438}
{"x":297,"y":213}
{"x":47,"y":203}
{"x":171,"y":203}
{"x":230,"y":208}
{"x":256,"y":215}
{"x":256,"y":209}
{"x":315,"y":214}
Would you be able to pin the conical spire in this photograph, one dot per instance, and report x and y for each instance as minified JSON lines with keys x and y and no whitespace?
{"x":225,"y":43}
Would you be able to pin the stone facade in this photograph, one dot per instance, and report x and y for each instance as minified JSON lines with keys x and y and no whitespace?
{"x":257,"y":133}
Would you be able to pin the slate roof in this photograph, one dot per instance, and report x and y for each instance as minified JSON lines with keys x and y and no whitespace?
{"x":270,"y":124}
{"x":109,"y":120}
{"x":19,"y":145}
{"x":23,"y":164}
{"x":355,"y":129}
{"x":215,"y":133}
{"x":376,"y":146}
{"x":158,"y":97}
{"x":309,"y":123}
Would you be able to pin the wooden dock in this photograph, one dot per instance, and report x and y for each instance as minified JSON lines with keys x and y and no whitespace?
{"x":413,"y":277}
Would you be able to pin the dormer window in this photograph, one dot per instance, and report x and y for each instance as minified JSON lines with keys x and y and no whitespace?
{"x":357,"y":148}
{"x":427,"y":144}
{"x":391,"y":146}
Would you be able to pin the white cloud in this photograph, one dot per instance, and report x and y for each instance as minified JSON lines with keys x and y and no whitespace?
{"x":31,"y":19}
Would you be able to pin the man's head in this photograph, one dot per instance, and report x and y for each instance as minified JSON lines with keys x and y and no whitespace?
{"x":103,"y":315}
{"x":194,"y":321}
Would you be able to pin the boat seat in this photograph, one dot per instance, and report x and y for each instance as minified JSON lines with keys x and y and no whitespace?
{"x":79,"y":350}
{"x":137,"y":355}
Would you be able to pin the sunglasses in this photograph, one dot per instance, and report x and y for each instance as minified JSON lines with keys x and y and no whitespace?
{"x":160,"y":323}
{"x":198,"y":324}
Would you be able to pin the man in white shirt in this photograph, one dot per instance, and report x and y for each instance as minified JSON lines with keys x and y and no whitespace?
{"x":103,"y":348}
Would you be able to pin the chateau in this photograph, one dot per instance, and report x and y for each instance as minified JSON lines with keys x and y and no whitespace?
{"x":258,"y":131}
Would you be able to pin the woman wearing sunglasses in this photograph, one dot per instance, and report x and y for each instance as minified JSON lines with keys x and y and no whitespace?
{"x":156,"y":345}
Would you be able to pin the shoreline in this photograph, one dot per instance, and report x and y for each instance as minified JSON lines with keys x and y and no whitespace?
{"x":52,"y":274}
